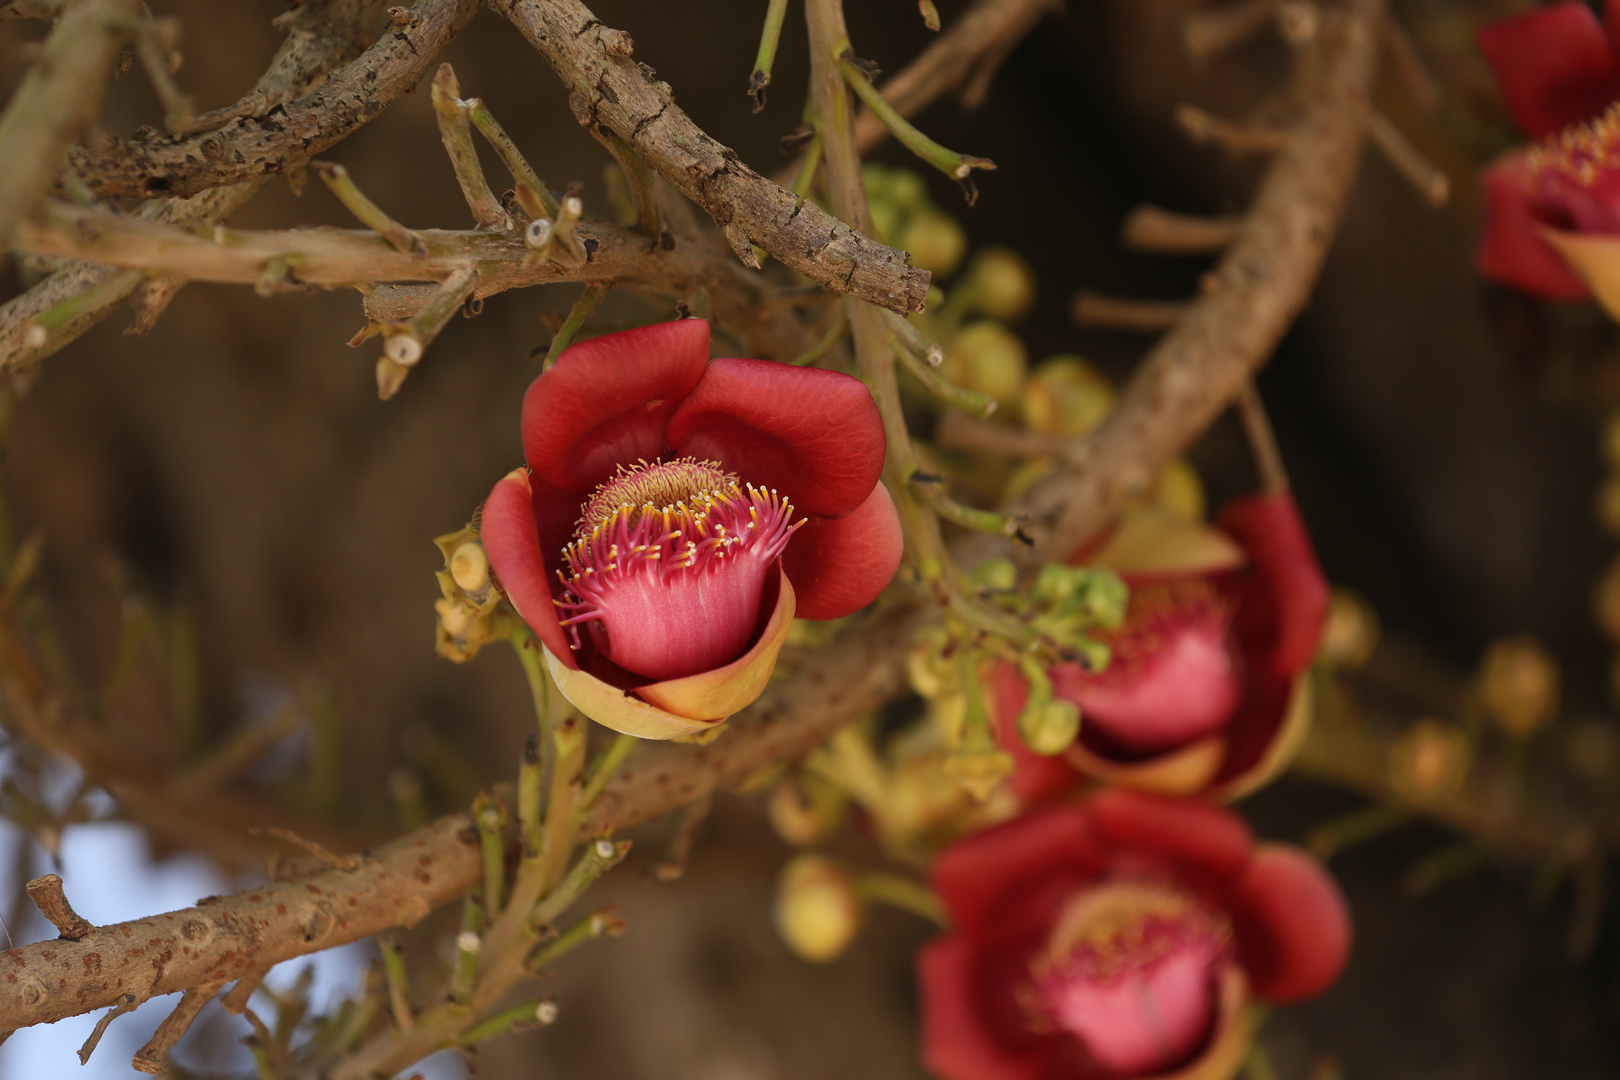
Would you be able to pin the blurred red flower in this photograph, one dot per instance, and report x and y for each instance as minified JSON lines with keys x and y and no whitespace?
{"x":1204,"y":691}
{"x":1552,"y":224}
{"x":677,"y":512}
{"x":1120,"y":937}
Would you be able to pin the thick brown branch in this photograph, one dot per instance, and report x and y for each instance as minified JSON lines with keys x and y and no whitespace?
{"x":259,"y":145}
{"x":609,"y":89}
{"x":1251,"y":297}
{"x":58,"y":97}
{"x":228,"y":938}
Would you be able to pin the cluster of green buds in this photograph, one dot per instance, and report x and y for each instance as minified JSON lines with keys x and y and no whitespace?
{"x":466,"y":610}
{"x":1061,"y":611}
{"x":903,"y":215}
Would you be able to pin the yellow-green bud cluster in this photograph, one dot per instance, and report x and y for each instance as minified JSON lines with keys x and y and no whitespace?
{"x":470,"y":596}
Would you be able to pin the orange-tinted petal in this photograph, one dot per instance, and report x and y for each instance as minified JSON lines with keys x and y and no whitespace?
{"x":1597,"y":259}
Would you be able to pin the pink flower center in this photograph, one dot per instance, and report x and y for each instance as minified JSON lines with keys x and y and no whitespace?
{"x":667,"y":567}
{"x":1574,"y":177}
{"x":1172,"y":678}
{"x":1130,"y":970}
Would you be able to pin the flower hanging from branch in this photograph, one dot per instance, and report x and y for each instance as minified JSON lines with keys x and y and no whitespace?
{"x":1203,"y":691}
{"x":677,"y":512}
{"x":1552,"y":223}
{"x":1122,"y":937}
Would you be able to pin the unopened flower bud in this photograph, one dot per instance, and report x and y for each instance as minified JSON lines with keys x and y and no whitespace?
{"x":932,"y":673}
{"x":817,"y":911}
{"x":987,"y":357}
{"x":1429,"y":761}
{"x":1049,"y":727}
{"x":907,"y":190}
{"x":886,"y":219}
{"x":1001,"y":283}
{"x":996,"y":574}
{"x":1066,"y":396}
{"x":1180,"y":490}
{"x":469,"y":566}
{"x":935,"y":240}
{"x":1351,"y":632}
{"x":1518,"y":685}
{"x":805,"y":809}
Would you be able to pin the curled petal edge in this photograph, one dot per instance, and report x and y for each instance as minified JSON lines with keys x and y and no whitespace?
{"x":692,"y":705}
{"x":1596,"y":259}
{"x":1185,"y":771}
{"x":1290,"y":736}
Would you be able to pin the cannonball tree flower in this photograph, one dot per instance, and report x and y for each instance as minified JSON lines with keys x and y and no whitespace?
{"x":1125,"y":936}
{"x":677,"y":512}
{"x":1552,"y":224}
{"x":1204,"y":692}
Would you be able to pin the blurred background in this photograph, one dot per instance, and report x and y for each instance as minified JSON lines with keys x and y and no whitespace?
{"x":231,"y":487}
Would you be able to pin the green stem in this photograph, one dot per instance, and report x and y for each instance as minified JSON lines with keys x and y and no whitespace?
{"x":490,"y":817}
{"x":648,"y":218}
{"x":79,"y":304}
{"x":404,"y":342}
{"x":807,"y":170}
{"x":958,"y":397}
{"x":952,"y":164}
{"x":516,"y":164}
{"x":905,"y":894}
{"x":455,"y":131}
{"x":603,"y":922}
{"x":464,"y":972}
{"x":838,"y":328}
{"x":968,"y":517}
{"x":531,"y":773}
{"x":399,"y":998}
{"x":598,"y":858}
{"x":577,"y":315}
{"x":761,"y":77}
{"x":368,"y":213}
{"x":602,"y":769}
{"x":503,"y":1022}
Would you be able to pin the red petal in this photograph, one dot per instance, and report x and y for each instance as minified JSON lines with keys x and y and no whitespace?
{"x":1292,"y":925}
{"x":606,"y":401}
{"x":957,"y":1043}
{"x":975,"y":875}
{"x":1209,"y":838}
{"x":839,"y":565}
{"x":813,"y":435}
{"x":1554,"y":65}
{"x":1035,"y":777}
{"x":1511,"y":251}
{"x":513,"y":544}
{"x":1282,"y":595}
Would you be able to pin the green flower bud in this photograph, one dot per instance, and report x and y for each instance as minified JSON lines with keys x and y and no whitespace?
{"x":886,"y":220}
{"x":1180,"y":490}
{"x":1047,"y":725}
{"x":987,"y":357}
{"x":997,"y":574}
{"x":932,"y":673}
{"x":1067,"y":396}
{"x":806,"y":809}
{"x":817,"y":910}
{"x":935,"y":240}
{"x":1001,"y":283}
{"x":907,"y":189}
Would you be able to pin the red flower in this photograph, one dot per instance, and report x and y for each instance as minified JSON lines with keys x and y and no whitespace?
{"x":676,"y":512}
{"x":1203,"y":693}
{"x":1552,"y":223}
{"x":1120,"y":937}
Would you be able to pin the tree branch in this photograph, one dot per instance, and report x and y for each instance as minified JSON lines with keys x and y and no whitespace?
{"x":227,"y":938}
{"x":268,"y":144}
{"x":58,"y":98}
{"x":319,"y":37}
{"x":608,"y":89}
